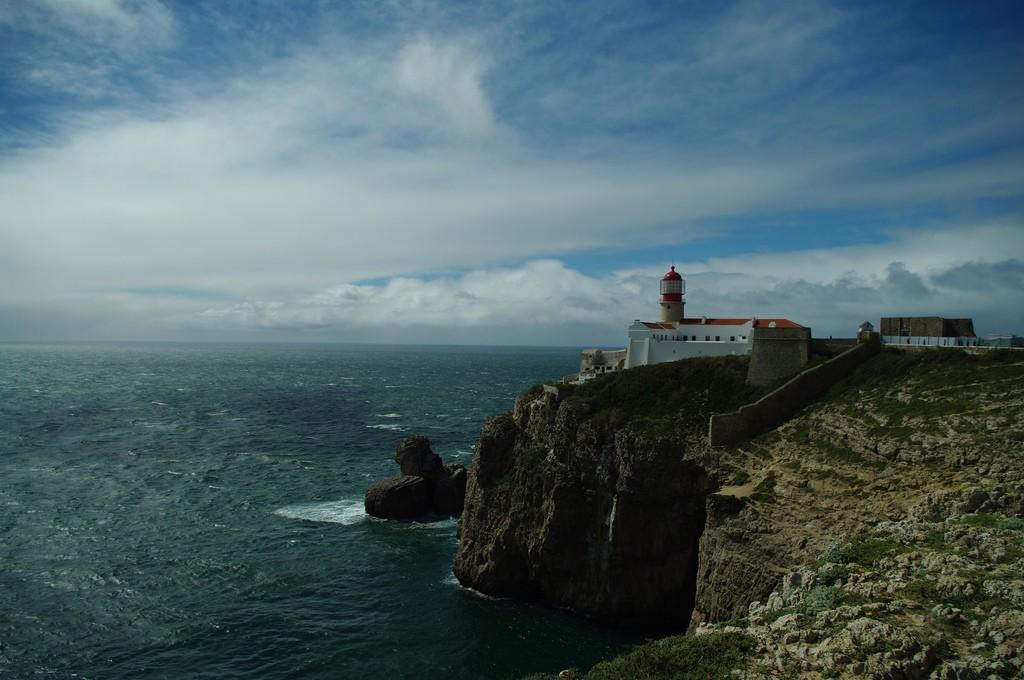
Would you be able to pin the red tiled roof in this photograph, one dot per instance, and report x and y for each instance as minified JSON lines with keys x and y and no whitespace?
{"x":758,"y":323}
{"x":716,"y":322}
{"x":779,"y":323}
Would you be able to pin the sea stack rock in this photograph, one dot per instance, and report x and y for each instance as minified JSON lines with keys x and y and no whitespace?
{"x":401,"y":497}
{"x":415,"y":457}
{"x":425,"y":486}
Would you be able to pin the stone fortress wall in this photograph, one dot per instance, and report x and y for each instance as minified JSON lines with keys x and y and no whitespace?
{"x":777,"y":353}
{"x":767,"y":413}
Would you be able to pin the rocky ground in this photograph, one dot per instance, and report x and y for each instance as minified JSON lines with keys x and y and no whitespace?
{"x":912,"y":599}
{"x":896,"y":506}
{"x":880,"y":533}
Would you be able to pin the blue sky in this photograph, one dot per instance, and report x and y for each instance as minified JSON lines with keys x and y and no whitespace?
{"x":503,"y":173}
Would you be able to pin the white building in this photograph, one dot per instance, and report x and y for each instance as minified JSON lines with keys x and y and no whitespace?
{"x":677,"y":337}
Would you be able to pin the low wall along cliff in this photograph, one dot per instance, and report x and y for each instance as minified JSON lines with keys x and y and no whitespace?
{"x":773,"y":409}
{"x":831,"y":347}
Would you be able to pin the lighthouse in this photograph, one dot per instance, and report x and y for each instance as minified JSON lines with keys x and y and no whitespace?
{"x":673,"y":289}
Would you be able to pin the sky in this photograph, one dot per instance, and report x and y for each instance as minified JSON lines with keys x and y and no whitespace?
{"x":508,"y":173}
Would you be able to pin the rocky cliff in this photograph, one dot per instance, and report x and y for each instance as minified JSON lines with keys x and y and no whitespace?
{"x":594,"y":498}
{"x":876,"y":534}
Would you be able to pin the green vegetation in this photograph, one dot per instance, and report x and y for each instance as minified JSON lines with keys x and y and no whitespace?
{"x":903,"y":388}
{"x":986,"y":521}
{"x":935,"y":539}
{"x":765,"y":491}
{"x":681,"y":657}
{"x":740,"y":477}
{"x":945,"y":369}
{"x":820,"y":598}
{"x":832,"y":451}
{"x":926,"y":592}
{"x":668,"y":398}
{"x":863,"y":551}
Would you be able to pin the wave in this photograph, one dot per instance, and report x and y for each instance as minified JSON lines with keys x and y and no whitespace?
{"x":392,"y":427}
{"x":445,"y":525}
{"x":346,"y":512}
{"x":388,"y":415}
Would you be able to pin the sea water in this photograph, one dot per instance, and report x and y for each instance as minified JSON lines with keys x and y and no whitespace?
{"x":196,"y":511}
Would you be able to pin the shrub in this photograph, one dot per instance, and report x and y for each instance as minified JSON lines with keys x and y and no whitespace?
{"x":987,"y":521}
{"x":820,"y":598}
{"x":681,"y":657}
{"x":765,"y":491}
{"x":670,"y":397}
{"x":863,"y":551}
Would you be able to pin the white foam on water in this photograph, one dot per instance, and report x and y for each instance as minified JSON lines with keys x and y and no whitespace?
{"x":346,"y":512}
{"x":392,"y":427}
{"x":435,"y":525}
{"x":388,"y":415}
{"x":450,"y":580}
{"x":158,"y":403}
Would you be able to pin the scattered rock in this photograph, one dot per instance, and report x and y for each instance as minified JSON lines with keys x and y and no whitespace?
{"x":425,"y":486}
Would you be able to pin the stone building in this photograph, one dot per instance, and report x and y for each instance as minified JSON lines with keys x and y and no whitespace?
{"x":928,"y":330}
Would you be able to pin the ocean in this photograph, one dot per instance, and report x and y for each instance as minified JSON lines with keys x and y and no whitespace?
{"x":196,"y":511}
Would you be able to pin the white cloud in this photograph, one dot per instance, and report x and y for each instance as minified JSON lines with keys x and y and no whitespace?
{"x":442,"y":147}
{"x":128,"y":24}
{"x":449,"y":77}
{"x":85,"y":48}
{"x":959,"y":272}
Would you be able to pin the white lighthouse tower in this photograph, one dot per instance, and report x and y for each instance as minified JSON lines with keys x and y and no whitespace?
{"x":673,"y":291}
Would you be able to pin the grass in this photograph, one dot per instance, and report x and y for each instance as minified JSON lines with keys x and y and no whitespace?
{"x":667,"y":398}
{"x":939,"y":369}
{"x":680,"y":657}
{"x":940,"y":384}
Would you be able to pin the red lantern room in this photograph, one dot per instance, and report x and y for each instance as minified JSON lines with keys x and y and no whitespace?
{"x":673,"y":287}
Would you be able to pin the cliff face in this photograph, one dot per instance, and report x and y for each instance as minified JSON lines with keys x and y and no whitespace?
{"x":567,"y":504}
{"x":607,"y":500}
